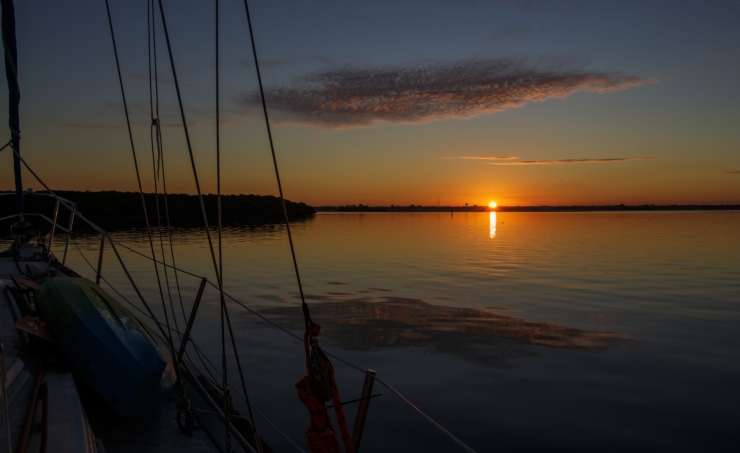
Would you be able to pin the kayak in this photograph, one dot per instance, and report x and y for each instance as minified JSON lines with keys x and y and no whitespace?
{"x":122,"y":359}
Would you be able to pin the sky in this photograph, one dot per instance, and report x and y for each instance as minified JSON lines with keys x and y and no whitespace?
{"x":525,"y":102}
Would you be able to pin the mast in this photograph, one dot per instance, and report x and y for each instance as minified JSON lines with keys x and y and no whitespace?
{"x":14,"y":94}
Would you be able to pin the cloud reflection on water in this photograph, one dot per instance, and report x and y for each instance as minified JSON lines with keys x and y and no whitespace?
{"x":376,"y":322}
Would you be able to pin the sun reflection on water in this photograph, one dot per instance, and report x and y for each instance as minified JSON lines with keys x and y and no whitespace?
{"x":493,"y":224}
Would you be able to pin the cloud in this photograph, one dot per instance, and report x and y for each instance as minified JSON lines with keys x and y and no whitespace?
{"x":735,"y":172}
{"x":572,"y":161}
{"x":514,"y":32}
{"x":483,"y":157}
{"x":362,"y":97}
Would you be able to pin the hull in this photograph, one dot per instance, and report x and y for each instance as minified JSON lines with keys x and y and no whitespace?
{"x":122,"y":359}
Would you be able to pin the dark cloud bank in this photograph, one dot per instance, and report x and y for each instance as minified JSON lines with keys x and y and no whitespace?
{"x":359,"y":97}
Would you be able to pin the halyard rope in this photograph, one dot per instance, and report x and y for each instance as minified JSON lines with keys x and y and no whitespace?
{"x":138,"y":180}
{"x":200,"y":198}
{"x":320,"y":436}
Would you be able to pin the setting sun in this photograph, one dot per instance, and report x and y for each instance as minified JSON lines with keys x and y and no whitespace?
{"x":492,"y":204}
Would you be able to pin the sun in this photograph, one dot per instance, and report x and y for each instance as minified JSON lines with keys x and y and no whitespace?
{"x":492,"y":204}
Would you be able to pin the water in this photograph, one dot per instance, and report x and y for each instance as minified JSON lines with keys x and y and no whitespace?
{"x":516,"y":331}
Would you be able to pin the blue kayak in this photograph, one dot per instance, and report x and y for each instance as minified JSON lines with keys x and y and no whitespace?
{"x":128,"y":364}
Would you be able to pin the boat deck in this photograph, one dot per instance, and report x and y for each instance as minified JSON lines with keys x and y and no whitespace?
{"x":97,"y":427}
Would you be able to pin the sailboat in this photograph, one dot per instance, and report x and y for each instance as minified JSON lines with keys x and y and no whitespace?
{"x":69,"y":349}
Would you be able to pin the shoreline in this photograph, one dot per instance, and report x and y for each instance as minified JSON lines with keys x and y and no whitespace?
{"x":604,"y":208}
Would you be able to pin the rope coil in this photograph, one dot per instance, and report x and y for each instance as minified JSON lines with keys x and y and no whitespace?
{"x":314,"y":389}
{"x":320,"y":373}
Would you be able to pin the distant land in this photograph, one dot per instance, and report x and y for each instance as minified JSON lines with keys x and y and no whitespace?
{"x":476,"y":208}
{"x":184,"y":210}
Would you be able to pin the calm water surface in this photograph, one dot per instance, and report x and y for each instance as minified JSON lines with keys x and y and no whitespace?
{"x":516,"y":331}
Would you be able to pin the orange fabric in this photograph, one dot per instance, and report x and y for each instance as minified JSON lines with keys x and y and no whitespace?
{"x":320,"y":435}
{"x":314,"y":329}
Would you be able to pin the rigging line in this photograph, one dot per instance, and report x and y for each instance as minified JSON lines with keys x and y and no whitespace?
{"x":169,"y":227}
{"x":63,"y":201}
{"x":161,"y":166}
{"x":277,"y":173}
{"x":79,"y":250}
{"x":220,"y":269}
{"x":197,"y":349}
{"x":201,"y":355}
{"x":267,"y":320}
{"x":110,"y":285}
{"x":334,"y":356}
{"x":155,"y":168}
{"x":136,"y":288}
{"x":99,"y":230}
{"x":258,"y":443}
{"x":460,"y":443}
{"x":160,"y":262}
{"x":167,"y":215}
{"x":278,"y":326}
{"x":198,"y":353}
{"x":254,"y":312}
{"x":138,"y":179}
{"x":187,"y":140}
{"x":197,"y":186}
{"x":224,"y":310}
{"x":264,"y":417}
{"x":169,"y":236}
{"x":246,"y":307}
{"x":6,"y":145}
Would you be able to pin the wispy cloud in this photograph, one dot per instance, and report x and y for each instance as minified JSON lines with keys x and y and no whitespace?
{"x":735,"y":172}
{"x":482,"y":157}
{"x":572,"y":161}
{"x":362,"y":97}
